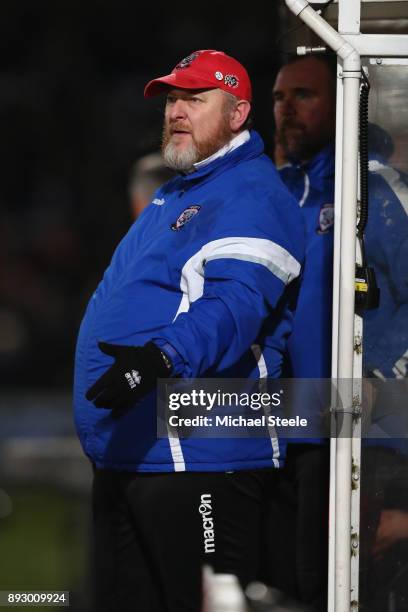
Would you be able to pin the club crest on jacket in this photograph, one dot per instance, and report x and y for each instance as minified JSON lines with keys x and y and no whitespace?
{"x":326,"y":218}
{"x":185,"y":217}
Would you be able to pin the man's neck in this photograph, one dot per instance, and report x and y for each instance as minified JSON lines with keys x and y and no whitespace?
{"x":310,"y":158}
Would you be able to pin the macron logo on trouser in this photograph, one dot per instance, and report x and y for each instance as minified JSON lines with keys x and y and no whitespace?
{"x":205,"y":509}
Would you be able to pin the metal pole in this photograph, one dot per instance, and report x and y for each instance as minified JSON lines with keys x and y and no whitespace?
{"x":346,"y":341}
{"x":335,"y":313}
{"x":351,"y":84}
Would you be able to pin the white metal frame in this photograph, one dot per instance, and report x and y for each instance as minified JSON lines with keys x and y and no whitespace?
{"x":350,"y":45}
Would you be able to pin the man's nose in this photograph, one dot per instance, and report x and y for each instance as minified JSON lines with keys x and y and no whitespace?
{"x":287,"y":106}
{"x":178,"y":110}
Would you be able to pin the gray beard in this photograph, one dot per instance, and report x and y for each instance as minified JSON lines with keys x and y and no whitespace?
{"x":181,"y":161}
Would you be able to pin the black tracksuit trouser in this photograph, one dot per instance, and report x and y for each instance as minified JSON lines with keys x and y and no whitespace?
{"x":154,"y":532}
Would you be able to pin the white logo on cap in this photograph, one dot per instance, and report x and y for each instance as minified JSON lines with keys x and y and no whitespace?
{"x":219,"y":76}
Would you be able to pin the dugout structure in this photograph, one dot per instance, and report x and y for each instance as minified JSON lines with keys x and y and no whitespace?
{"x":383,"y":55}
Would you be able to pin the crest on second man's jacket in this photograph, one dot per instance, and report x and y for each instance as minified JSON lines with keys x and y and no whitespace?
{"x":326,"y":218}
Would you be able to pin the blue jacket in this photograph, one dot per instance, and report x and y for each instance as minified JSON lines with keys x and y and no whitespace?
{"x":309,"y":347}
{"x":386,"y":329}
{"x":204,"y":269}
{"x":386,"y":239}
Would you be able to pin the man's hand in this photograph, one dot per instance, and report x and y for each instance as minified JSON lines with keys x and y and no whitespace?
{"x":131,"y":377}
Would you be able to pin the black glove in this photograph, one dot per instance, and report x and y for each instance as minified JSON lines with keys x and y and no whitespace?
{"x":131,"y":377}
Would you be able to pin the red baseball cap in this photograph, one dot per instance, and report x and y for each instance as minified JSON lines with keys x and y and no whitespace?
{"x":205,"y":69}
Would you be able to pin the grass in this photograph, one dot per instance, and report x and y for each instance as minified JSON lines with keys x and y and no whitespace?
{"x":44,"y":544}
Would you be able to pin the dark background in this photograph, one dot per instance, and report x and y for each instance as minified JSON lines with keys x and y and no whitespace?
{"x":72,"y":122}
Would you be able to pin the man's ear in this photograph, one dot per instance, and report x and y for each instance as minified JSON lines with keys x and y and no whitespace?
{"x":239,"y":115}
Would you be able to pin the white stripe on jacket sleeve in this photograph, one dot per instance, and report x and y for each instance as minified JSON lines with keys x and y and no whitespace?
{"x":257,"y":250}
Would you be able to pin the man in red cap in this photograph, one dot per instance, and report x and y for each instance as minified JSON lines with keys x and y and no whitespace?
{"x":193,"y":290}
{"x":208,"y":102}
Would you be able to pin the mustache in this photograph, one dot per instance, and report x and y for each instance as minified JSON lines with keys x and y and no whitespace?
{"x":178,"y":126}
{"x":289,"y":123}
{"x":169,"y":128}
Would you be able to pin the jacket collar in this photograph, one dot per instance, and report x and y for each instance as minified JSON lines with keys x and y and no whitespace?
{"x":237,"y":141}
{"x":247,"y":148}
{"x":320,"y":167}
